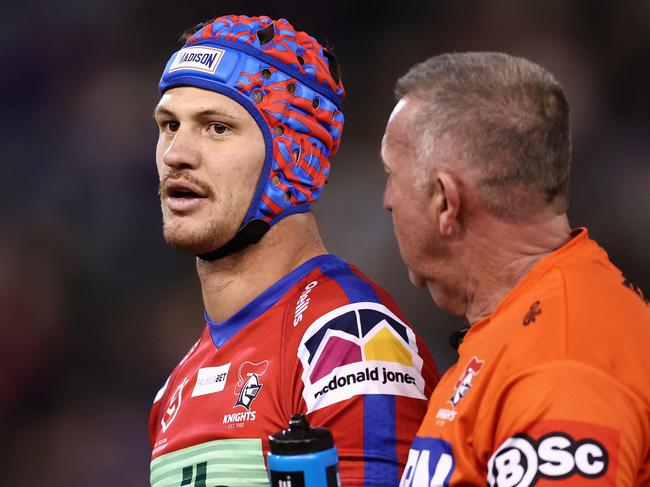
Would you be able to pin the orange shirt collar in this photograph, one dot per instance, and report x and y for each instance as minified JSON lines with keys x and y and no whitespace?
{"x":577,"y":244}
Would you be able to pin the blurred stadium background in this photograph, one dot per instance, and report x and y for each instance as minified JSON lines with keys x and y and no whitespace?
{"x":95,"y":310}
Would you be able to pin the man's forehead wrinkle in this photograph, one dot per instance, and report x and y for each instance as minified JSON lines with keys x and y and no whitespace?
{"x":399,"y":141}
{"x":398,"y":134}
{"x":406,"y":114}
{"x":387,"y":150}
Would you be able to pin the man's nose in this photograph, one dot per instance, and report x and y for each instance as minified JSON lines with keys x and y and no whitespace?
{"x":182,"y":151}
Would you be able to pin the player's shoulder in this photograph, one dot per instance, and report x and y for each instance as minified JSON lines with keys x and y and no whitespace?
{"x":337,"y":285}
{"x":580,"y":310}
{"x":591,"y":281}
{"x":598,"y":296}
{"x":351,"y":340}
{"x":580,"y":292}
{"x":343,"y":282}
{"x":340,"y":301}
{"x":337,"y":303}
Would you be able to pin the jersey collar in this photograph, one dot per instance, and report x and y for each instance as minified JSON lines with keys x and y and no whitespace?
{"x":579,"y":244}
{"x":222,"y":332}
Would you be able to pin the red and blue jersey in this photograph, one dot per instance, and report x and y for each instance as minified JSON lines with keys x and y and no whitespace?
{"x":325,"y":341}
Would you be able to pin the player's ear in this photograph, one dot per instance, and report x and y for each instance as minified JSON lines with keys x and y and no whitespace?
{"x":446,"y":203}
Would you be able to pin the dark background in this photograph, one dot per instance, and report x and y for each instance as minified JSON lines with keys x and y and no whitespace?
{"x":95,"y":310}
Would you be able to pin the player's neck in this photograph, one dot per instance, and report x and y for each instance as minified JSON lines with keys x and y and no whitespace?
{"x":230,"y":283}
{"x":520,"y":247}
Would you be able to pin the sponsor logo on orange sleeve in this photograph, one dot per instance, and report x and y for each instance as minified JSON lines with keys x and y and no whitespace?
{"x":554,"y":452}
{"x":430,"y":462}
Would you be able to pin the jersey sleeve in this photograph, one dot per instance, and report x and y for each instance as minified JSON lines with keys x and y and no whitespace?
{"x":362,"y":372}
{"x":565,"y":423}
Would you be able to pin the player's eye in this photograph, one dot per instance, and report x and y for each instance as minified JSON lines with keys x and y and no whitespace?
{"x":170,"y":125}
{"x":218,"y":128}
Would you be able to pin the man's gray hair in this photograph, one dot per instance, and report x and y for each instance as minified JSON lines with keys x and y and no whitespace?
{"x":508,"y":118}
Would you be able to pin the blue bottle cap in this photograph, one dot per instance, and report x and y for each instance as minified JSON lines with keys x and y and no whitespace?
{"x":300,"y":438}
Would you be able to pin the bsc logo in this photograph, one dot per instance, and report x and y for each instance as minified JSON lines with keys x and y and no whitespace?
{"x":248,"y":385}
{"x":522,"y":461}
{"x":430,"y":463}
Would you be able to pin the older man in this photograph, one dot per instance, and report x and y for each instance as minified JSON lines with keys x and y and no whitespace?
{"x":551,"y":386}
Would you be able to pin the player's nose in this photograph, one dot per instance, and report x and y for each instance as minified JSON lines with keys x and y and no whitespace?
{"x":182,"y":151}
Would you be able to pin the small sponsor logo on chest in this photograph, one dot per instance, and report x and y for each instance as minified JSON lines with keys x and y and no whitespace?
{"x":210,"y":380}
{"x":303,"y":303}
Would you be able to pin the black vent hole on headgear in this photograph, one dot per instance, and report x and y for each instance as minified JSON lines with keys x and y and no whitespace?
{"x":301,"y":60}
{"x":266,"y":34}
{"x":258,"y":96}
{"x":335,"y":68}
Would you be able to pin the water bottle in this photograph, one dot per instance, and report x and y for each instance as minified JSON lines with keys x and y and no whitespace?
{"x":302,"y":456}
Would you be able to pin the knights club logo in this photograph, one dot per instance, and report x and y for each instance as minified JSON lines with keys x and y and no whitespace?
{"x":248,"y":384}
{"x":464,"y":383}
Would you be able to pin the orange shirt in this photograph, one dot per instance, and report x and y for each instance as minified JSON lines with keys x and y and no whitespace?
{"x":552,"y":389}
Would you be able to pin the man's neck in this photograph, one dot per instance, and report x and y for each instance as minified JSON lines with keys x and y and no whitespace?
{"x":504,"y":254}
{"x":230,"y":283}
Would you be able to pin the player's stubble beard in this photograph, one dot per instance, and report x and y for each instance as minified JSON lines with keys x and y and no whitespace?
{"x":199,"y":234}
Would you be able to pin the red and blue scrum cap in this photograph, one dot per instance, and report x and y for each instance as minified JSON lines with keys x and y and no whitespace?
{"x":289,"y":84}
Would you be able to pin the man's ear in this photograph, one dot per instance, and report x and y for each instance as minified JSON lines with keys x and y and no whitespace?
{"x":446,"y":201}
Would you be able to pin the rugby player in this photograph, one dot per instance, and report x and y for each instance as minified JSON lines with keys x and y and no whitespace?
{"x":249,"y":115}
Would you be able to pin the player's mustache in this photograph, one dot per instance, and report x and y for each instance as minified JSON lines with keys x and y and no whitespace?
{"x":183,"y":176}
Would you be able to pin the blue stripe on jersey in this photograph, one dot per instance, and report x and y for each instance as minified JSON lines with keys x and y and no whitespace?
{"x":379,"y":432}
{"x":222,"y":332}
{"x":379,"y":435}
{"x":355,"y":288}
